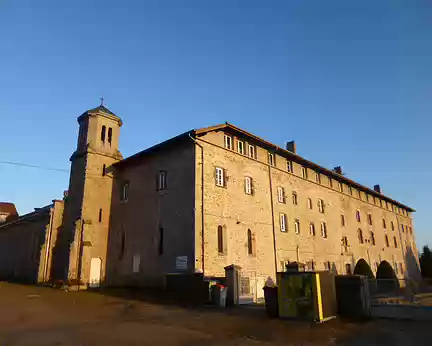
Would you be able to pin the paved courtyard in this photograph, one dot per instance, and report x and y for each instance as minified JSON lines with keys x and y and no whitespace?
{"x":31,"y":315}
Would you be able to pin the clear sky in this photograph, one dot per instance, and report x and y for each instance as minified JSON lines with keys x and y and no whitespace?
{"x":350,"y":81}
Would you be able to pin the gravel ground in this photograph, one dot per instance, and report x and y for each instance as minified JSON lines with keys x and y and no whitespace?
{"x":31,"y":315}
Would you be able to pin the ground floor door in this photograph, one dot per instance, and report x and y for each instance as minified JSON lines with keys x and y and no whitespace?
{"x":95,"y":272}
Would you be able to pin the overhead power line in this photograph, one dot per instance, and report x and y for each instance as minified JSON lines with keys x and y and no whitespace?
{"x":33,"y":166}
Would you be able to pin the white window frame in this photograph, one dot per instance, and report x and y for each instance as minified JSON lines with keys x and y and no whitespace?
{"x":248,"y":185}
{"x":312,"y":229}
{"x":240,"y":147}
{"x":252,"y":151}
{"x":162,"y":180}
{"x":304,"y":172}
{"x":297,"y":226}
{"x":220,"y":176}
{"x":320,"y":205}
{"x":125,"y":192}
{"x":289,"y":166}
{"x":294,"y":198}
{"x":283,"y":223}
{"x":323,"y":230}
{"x":271,"y":159}
{"x":228,"y":142}
{"x":281,"y":194}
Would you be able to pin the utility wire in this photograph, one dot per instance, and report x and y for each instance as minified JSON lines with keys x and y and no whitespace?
{"x":20,"y":164}
{"x":33,"y":166}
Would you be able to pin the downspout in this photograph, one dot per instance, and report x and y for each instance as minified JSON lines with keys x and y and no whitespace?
{"x":273,"y":216}
{"x":202,"y":201}
{"x":48,"y":245}
{"x":401,"y":245}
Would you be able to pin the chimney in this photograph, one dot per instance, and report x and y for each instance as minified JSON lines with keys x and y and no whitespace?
{"x":291,"y":146}
{"x":377,"y":188}
{"x":338,"y":170}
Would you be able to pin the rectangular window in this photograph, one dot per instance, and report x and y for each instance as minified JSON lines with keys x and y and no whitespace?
{"x":161,"y":183}
{"x":323,"y":230}
{"x":220,"y":176}
{"x":372,"y":238}
{"x":220,"y":239}
{"x":342,"y":220}
{"x":282,"y":218}
{"x":228,"y":142}
{"x":281,"y":194}
{"x":402,"y":227}
{"x":358,"y":215}
{"x":271,"y":159}
{"x":248,"y":185}
{"x":100,"y":215}
{"x":252,"y":151}
{"x":304,"y":172}
{"x":345,"y":243}
{"x":297,"y":226}
{"x":251,"y":243}
{"x":348,"y":270}
{"x":317,"y":178}
{"x":330,"y":182}
{"x":370,"y":219}
{"x":240,"y":147}
{"x":124,"y":192}
{"x":294,"y":198}
{"x":161,"y":241}
{"x":289,"y":167}
{"x":384,"y":223}
{"x":309,"y":203}
{"x":103,"y":170}
{"x":392,"y":225}
{"x":312,"y":229}
{"x":321,"y":206}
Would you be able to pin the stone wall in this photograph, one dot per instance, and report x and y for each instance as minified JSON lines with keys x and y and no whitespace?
{"x":236,"y":211}
{"x":135,"y":229}
{"x":26,"y":245}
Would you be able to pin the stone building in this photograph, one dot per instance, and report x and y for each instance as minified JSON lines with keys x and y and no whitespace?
{"x":217,"y":196}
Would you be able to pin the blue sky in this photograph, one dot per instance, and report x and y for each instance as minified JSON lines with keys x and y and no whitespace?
{"x":351,"y":82}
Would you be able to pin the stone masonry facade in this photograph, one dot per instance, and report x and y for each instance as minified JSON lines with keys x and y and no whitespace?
{"x":201,"y":201}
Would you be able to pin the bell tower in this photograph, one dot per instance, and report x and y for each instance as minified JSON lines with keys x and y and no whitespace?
{"x":88,"y":202}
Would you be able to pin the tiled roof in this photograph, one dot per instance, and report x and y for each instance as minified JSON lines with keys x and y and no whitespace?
{"x":8,"y":208}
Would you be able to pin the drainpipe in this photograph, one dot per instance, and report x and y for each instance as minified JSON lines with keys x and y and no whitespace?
{"x":401,"y":245}
{"x":48,"y":244}
{"x":273,"y":216}
{"x":202,"y":201}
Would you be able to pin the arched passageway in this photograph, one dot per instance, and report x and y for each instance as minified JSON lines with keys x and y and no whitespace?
{"x":385,"y":271}
{"x":386,"y":279}
{"x":363,"y":268}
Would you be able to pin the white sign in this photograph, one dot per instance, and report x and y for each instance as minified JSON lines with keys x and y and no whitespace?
{"x":181,"y":262}
{"x":136,"y":263}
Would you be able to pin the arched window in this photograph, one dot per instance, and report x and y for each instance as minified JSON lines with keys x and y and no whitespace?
{"x":103,"y":132}
{"x":220,"y":240}
{"x":395,"y":242}
{"x":360,"y":236}
{"x":358,"y":215}
{"x":110,"y":136}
